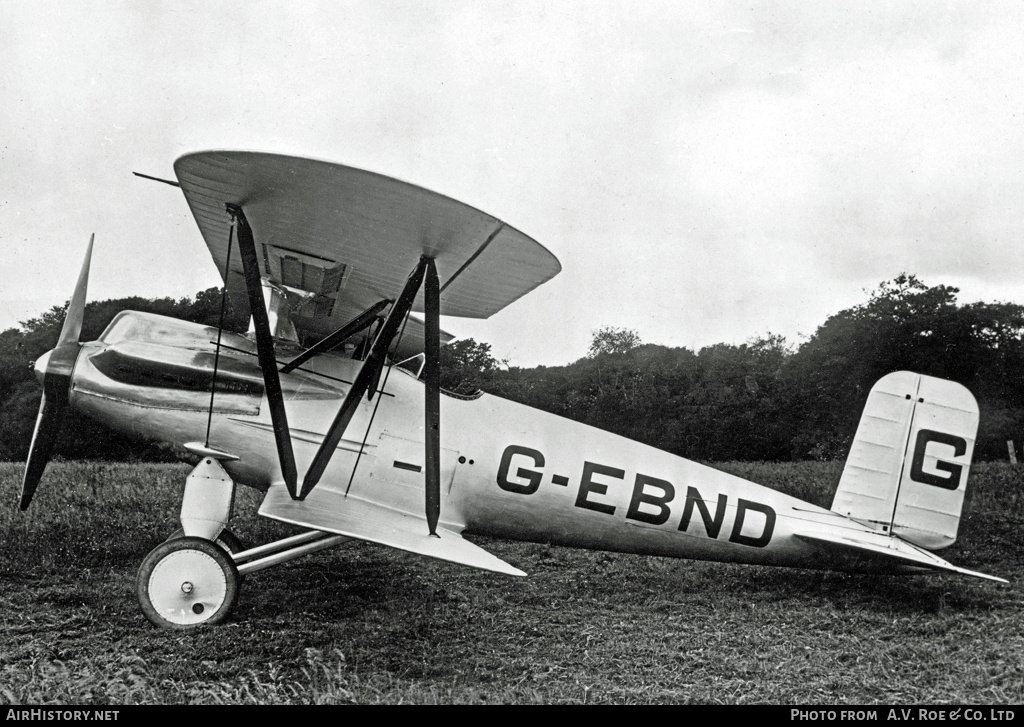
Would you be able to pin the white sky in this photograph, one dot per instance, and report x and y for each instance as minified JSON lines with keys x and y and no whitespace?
{"x":705,"y":172}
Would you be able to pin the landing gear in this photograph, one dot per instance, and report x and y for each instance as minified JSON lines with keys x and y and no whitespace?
{"x":191,"y":580}
{"x":185,"y":582}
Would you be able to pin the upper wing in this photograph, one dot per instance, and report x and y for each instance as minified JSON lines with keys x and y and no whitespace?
{"x":349,"y":237}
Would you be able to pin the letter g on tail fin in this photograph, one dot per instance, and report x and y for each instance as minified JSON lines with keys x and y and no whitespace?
{"x":908,"y":466}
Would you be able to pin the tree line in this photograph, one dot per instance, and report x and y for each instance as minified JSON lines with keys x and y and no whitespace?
{"x":770,"y":400}
{"x":766,"y":399}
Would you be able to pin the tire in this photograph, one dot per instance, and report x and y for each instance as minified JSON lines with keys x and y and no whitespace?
{"x":227,"y":540}
{"x":187,"y":582}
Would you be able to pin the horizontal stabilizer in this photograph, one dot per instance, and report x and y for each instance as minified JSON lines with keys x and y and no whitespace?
{"x":890,"y":550}
{"x":333,"y":512}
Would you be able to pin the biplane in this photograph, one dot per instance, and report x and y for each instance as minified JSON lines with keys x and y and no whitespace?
{"x":352,"y":437}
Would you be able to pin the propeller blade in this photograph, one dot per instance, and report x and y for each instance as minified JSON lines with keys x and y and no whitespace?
{"x":72,"y":329}
{"x":432,"y":395}
{"x":45,"y":434}
{"x":54,"y":369}
{"x":265,"y":350}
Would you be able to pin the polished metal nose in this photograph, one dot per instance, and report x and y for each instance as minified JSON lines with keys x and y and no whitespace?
{"x":40,"y":365}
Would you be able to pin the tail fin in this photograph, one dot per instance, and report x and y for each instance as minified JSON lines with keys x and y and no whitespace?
{"x":907,"y":470}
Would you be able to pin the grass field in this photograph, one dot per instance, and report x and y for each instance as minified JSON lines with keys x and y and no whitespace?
{"x":366,"y":624}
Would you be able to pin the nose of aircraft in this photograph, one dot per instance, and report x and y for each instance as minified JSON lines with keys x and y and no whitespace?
{"x":40,"y":366}
{"x":55,"y":367}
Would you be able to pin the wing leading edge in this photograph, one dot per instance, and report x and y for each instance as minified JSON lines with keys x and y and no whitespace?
{"x":347,"y":238}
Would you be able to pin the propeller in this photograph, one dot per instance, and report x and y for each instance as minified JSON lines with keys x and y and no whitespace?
{"x":54,"y":370}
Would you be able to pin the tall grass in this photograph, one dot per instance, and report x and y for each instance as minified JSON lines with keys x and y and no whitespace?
{"x":366,"y":624}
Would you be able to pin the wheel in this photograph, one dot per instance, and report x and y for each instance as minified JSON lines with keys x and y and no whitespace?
{"x":227,"y":540}
{"x":186,"y":582}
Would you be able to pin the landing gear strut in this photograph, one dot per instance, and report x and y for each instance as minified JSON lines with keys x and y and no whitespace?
{"x":191,"y":580}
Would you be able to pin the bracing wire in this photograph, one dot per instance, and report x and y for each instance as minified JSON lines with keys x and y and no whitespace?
{"x":373,"y":414}
{"x":220,"y":330}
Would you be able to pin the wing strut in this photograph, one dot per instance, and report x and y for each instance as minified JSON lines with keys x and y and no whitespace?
{"x":368,"y":375}
{"x":265,"y":347}
{"x":350,"y":329}
{"x":424,"y":275}
{"x":432,"y":403}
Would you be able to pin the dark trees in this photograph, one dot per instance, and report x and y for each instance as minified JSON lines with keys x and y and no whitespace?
{"x":467,"y":366}
{"x":765,"y":400}
{"x":905,"y":325}
{"x":761,"y":400}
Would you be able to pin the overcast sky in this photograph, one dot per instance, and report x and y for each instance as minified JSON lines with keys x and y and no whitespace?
{"x":705,"y":172}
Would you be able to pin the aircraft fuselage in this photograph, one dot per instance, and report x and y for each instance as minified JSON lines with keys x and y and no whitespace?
{"x":507,"y":470}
